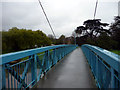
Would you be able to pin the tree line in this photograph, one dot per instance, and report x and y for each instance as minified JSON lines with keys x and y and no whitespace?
{"x":91,"y":32}
{"x":16,"y":39}
{"x":94,"y":32}
{"x":21,"y":39}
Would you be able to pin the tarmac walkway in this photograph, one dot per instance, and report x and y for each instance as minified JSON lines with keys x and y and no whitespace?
{"x":72,"y":71}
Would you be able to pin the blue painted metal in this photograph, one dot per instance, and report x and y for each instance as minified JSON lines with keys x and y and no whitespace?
{"x":6,"y":58}
{"x":24,"y":73}
{"x":34,"y":69}
{"x":105,"y":66}
{"x":35,"y":63}
{"x":112,"y":78}
{"x":15,"y":75}
{"x":54,"y":55}
{"x":3,"y":77}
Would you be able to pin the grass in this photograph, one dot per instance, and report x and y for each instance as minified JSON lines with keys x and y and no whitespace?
{"x":41,"y":54}
{"x":116,"y":51}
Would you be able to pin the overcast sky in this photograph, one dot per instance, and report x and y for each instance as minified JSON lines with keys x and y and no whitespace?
{"x":64,"y":15}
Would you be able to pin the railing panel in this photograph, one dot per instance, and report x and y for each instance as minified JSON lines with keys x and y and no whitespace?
{"x":105,"y":66}
{"x":25,"y":68}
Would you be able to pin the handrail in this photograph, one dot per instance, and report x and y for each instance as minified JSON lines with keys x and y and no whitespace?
{"x":6,"y":58}
{"x":35,"y":63}
{"x":105,"y":66}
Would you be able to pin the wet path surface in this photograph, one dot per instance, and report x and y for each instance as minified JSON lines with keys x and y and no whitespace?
{"x":71,"y":72}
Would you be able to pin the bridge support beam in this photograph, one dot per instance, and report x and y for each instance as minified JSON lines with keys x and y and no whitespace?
{"x":112,"y":78}
{"x":3,"y":77}
{"x":0,"y":77}
{"x":47,"y":61}
{"x":34,"y":69}
{"x":54,"y":57}
{"x":97,"y":67}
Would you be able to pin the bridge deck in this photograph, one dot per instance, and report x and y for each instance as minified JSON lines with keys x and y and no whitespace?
{"x":71,"y":72}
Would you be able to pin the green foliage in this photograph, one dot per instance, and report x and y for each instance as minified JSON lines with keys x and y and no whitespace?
{"x":90,"y":41}
{"x":20,"y":39}
{"x":115,"y":30}
{"x":106,"y":42}
{"x":52,"y":38}
{"x":91,"y":28}
{"x":116,"y":51}
{"x":93,"y":33}
{"x":61,"y":40}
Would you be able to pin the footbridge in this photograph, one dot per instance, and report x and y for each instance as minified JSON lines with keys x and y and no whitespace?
{"x":60,"y":66}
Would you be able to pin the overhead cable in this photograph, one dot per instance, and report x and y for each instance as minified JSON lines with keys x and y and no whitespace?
{"x":47,"y":18}
{"x":95,"y":9}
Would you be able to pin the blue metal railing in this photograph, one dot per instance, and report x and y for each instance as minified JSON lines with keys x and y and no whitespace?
{"x":105,"y":66}
{"x":25,"y":68}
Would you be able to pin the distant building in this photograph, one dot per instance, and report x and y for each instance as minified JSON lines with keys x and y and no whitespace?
{"x":119,"y":8}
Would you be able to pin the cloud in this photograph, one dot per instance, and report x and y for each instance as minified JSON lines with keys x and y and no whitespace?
{"x":64,"y":15}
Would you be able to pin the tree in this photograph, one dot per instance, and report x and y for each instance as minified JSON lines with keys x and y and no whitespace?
{"x":105,"y":41}
{"x":51,"y":37}
{"x":80,"y":30}
{"x":115,"y":30}
{"x":95,"y":27}
{"x":91,"y":29}
{"x":20,"y":39}
{"x":61,"y":40}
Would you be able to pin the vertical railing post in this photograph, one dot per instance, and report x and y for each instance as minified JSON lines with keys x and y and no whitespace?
{"x":119,"y":78}
{"x":92,"y":61}
{"x":3,"y":77}
{"x":119,"y":71}
{"x":34,"y":68}
{"x":64,"y":51}
{"x":1,"y":73}
{"x":90,"y":57}
{"x":112,"y":78}
{"x":56,"y":54}
{"x":54,"y":57}
{"x":86,"y":50}
{"x":0,"y":76}
{"x":60,"y":53}
{"x":97,"y":68}
{"x":47,"y":60}
{"x":67,"y":49}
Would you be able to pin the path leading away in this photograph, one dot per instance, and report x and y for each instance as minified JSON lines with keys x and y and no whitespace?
{"x":71,"y":72}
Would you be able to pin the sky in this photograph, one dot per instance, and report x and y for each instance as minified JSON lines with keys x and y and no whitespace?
{"x":64,"y":15}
